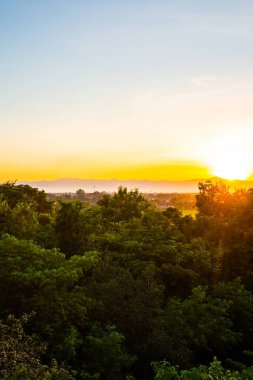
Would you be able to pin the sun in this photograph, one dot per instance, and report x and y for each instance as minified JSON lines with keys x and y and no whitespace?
{"x":229,"y":158}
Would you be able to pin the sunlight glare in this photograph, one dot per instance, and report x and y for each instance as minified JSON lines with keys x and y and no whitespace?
{"x":229,"y":158}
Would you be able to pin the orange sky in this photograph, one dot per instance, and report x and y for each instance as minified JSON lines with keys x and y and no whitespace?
{"x":66,"y":168}
{"x":130,"y":90}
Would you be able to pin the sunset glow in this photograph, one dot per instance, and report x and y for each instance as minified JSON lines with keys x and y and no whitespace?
{"x":127,"y":90}
{"x":229,"y":157}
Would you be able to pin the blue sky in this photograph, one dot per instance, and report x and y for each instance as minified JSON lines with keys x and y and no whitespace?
{"x":131,"y":83}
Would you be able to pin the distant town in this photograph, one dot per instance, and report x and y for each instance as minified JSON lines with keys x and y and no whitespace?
{"x":185,"y":202}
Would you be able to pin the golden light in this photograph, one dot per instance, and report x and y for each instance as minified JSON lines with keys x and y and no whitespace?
{"x":229,"y":158}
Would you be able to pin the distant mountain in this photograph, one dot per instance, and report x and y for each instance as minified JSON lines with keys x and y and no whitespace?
{"x":90,"y":185}
{"x":65,"y":185}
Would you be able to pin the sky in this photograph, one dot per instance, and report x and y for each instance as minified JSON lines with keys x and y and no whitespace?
{"x":127,"y":89}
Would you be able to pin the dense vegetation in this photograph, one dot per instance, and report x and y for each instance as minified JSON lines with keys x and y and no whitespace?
{"x":121,"y":290}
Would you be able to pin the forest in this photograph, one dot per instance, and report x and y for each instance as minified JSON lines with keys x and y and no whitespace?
{"x":120,"y":290}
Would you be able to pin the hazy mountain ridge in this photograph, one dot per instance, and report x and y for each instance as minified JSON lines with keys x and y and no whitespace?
{"x":90,"y":185}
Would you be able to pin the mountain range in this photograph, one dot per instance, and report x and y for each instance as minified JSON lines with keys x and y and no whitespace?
{"x":66,"y":185}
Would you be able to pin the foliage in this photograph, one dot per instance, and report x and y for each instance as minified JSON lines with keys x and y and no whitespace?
{"x":119,"y":285}
{"x":69,"y":228}
{"x":123,"y":205}
{"x":105,"y":352}
{"x":20,"y":354}
{"x":165,"y":371}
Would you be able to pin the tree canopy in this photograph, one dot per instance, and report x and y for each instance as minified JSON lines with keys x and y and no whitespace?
{"x":121,"y":290}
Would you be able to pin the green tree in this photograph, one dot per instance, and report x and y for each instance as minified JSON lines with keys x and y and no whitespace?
{"x":80,"y":195}
{"x":214,"y":199}
{"x":23,"y":221}
{"x":70,"y":229}
{"x":15,"y":194}
{"x":106,"y":354}
{"x":193,"y":330}
{"x":165,"y":371}
{"x":41,"y":280}
{"x":20,"y":354}
{"x":123,"y":205}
